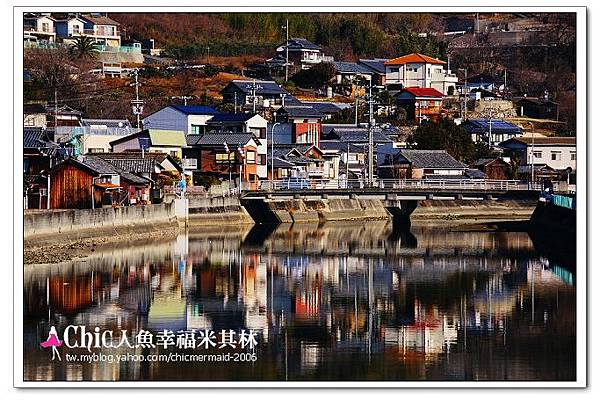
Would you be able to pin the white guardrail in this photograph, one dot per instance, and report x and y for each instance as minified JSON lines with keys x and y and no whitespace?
{"x":416,"y":184}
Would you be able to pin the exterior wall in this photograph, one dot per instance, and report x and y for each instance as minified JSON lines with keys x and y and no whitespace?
{"x":195,"y":120}
{"x":98,"y":142}
{"x":167,"y":119}
{"x":563,"y":152}
{"x":421,"y":75}
{"x":38,"y":120}
{"x":307,"y":131}
{"x":131,"y":144}
{"x":70,"y":187}
{"x":158,"y":149}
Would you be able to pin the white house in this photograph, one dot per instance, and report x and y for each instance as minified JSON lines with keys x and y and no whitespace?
{"x":418,"y":70}
{"x":39,"y":26}
{"x":68,"y":29}
{"x":192,"y":120}
{"x":558,"y":153}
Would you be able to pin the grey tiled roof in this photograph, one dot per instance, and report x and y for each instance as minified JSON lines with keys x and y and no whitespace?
{"x":351,"y":67}
{"x":301,"y":43}
{"x":341,"y":146}
{"x":429,"y":159}
{"x":105,"y":167}
{"x":232,"y":139}
{"x":375,"y":64}
{"x":357,"y":135}
{"x":266,"y":87}
{"x":137,"y":166}
{"x":327,"y":107}
{"x":300,"y":111}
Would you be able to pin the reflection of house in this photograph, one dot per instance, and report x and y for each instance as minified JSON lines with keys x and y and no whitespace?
{"x":192,"y":120}
{"x":418,"y":70}
{"x":422,"y":164}
{"x":479,"y":129}
{"x":420,"y":103}
{"x":558,"y":153}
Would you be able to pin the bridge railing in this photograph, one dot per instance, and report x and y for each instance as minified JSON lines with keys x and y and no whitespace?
{"x":416,"y":184}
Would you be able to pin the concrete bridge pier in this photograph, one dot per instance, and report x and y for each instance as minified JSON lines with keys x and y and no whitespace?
{"x":399,"y":209}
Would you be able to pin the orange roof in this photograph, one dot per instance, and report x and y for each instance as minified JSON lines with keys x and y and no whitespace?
{"x":106,"y":185}
{"x":413,"y":58}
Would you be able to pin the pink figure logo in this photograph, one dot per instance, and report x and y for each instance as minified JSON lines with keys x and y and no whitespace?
{"x":53,"y":341}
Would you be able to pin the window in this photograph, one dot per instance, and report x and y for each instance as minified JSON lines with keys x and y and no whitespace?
{"x":537,"y":154}
{"x":394,"y":69}
{"x":221,"y":158}
{"x":555,"y":156}
{"x":573,"y":156}
{"x":263,"y":133}
{"x":196,"y":129}
{"x":283,"y":172}
{"x":250,"y":157}
{"x":262,"y":159}
{"x":45,"y":27}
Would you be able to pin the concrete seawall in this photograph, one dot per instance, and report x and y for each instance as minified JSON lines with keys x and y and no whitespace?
{"x":47,"y":222}
{"x":217,"y":211}
{"x":488,"y":210}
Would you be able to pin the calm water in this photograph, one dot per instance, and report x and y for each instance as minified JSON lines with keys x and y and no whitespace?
{"x":337,"y":302}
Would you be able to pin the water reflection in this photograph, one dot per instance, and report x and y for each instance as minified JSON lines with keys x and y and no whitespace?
{"x":333,"y":302}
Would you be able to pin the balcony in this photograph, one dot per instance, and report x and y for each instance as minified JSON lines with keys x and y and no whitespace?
{"x":102,"y":32}
{"x":44,"y":30}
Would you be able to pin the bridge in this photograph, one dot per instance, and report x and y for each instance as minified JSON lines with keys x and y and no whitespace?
{"x":388,"y":189}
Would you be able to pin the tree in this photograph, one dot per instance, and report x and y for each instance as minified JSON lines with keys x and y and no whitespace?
{"x":315,"y":77}
{"x":444,"y":135}
{"x":84,"y":47}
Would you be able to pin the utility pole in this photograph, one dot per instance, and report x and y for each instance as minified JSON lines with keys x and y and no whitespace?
{"x":465,"y":95}
{"x":137,"y":105}
{"x":371,"y":123}
{"x":532,"y":160}
{"x":490,"y":129}
{"x":505,"y":82}
{"x":287,"y":52}
{"x":253,"y":88}
{"x":207,"y":55}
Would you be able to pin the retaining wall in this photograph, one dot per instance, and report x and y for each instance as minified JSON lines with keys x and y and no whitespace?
{"x":63,"y":221}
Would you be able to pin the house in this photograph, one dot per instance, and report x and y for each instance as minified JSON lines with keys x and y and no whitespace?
{"x":479,"y":81}
{"x":300,"y":160}
{"x":352,"y":158}
{"x":244,"y":123}
{"x":152,"y":140}
{"x":160,"y":169}
{"x":255,"y":95}
{"x":302,"y":53}
{"x":328,"y":109}
{"x":70,"y":28}
{"x":305,"y":122}
{"x":558,"y":153}
{"x":421,"y":71}
{"x":422,"y":164}
{"x":348,"y":74}
{"x":482,"y":94}
{"x":227,"y":155}
{"x":102,"y":29}
{"x":533,"y":107}
{"x":34,"y":115}
{"x":377,"y":68}
{"x":493,"y":168}
{"x":359,"y":136}
{"x":37,"y":159}
{"x":192,"y":120}
{"x":420,"y":103}
{"x":39,"y":26}
{"x":92,"y":182}
{"x":480,"y":129}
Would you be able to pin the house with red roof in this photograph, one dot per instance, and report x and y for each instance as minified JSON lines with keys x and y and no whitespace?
{"x":420,"y":103}
{"x":419,"y":70}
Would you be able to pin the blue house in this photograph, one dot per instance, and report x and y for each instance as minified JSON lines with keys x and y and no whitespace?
{"x":192,"y":120}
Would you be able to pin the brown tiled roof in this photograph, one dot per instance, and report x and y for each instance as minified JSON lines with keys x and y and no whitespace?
{"x":100,"y":20}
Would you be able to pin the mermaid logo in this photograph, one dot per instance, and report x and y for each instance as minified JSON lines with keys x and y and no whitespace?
{"x":54,"y":342}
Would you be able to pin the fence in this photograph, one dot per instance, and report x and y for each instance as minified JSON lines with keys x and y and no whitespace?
{"x":408,"y":184}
